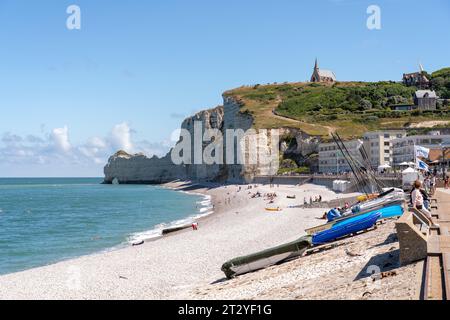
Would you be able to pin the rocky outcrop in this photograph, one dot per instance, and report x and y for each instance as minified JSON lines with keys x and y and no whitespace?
{"x":126,"y":168}
{"x":300,"y":147}
{"x":138,"y":168}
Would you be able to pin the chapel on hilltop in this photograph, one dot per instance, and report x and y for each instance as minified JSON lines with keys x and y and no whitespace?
{"x":322,"y":75}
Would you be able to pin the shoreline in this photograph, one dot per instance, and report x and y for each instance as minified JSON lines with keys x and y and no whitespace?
{"x":171,"y":266}
{"x":185,"y":222}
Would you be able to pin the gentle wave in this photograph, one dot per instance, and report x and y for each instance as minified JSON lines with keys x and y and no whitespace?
{"x":95,"y":218}
{"x":156,"y":232}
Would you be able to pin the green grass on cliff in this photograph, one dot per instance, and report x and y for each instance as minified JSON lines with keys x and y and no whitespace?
{"x":351,"y":108}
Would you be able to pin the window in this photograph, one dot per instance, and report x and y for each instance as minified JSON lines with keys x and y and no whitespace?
{"x":436,"y":141}
{"x":387,"y":144}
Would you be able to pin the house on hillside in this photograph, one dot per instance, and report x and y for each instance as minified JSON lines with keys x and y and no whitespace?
{"x":425,"y":99}
{"x":418,"y":79}
{"x":322,"y":75}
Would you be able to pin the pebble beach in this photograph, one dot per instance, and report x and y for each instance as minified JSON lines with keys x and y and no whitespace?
{"x":186,"y":264}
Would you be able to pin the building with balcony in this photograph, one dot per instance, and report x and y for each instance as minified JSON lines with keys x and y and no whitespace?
{"x":379,"y":146}
{"x":331,"y":159}
{"x":403,"y":148}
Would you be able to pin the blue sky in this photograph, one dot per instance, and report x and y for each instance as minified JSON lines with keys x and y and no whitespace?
{"x":68,"y":98}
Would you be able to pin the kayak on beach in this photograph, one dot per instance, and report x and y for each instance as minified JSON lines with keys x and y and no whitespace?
{"x":274,"y":209}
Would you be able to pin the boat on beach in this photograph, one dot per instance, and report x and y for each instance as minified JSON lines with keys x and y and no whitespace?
{"x":345,"y":228}
{"x":389,"y":207}
{"x":377,"y":203}
{"x":274,"y":209}
{"x":266,"y":258}
{"x":295,"y":249}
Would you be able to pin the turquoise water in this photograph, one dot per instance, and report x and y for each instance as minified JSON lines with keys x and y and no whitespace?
{"x":43,"y":221}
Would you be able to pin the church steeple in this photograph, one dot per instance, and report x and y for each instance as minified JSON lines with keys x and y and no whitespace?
{"x":322,"y":75}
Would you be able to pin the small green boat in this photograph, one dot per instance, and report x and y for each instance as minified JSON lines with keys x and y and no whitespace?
{"x":266,"y":258}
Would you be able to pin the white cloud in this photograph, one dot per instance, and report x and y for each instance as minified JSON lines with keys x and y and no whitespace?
{"x":55,"y":147}
{"x":60,"y":139}
{"x":121,"y":137}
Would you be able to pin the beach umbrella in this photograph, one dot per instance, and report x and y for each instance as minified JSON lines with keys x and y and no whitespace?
{"x":384,"y":167}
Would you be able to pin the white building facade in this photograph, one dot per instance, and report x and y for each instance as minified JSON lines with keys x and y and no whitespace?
{"x":403,"y":149}
{"x":331,"y":159}
{"x":379,"y":146}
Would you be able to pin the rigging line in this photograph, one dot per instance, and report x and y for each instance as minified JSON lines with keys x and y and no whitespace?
{"x":359,"y":184}
{"x":366,"y":169}
{"x":355,"y":163}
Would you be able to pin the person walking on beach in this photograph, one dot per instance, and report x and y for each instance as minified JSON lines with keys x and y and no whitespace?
{"x":446,"y":182}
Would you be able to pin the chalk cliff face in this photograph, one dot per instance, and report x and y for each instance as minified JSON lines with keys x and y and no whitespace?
{"x":126,"y":168}
{"x":138,"y":168}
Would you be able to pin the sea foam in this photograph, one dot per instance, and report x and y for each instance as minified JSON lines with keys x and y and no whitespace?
{"x":206,"y":208}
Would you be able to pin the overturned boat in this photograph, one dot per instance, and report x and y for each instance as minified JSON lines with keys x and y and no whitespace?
{"x":266,"y":258}
{"x":390,"y":206}
{"x":347,"y":227}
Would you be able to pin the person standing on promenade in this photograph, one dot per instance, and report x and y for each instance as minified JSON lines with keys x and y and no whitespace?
{"x":433,"y":184}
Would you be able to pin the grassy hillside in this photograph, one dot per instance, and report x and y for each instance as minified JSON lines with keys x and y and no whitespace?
{"x":441,"y":82}
{"x":351,"y":108}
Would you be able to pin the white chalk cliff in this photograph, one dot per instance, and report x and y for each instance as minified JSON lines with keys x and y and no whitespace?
{"x":125,"y":168}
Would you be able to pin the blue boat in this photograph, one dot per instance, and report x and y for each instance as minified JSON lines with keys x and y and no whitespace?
{"x":385,"y":213}
{"x":391,"y":210}
{"x":346,"y":227}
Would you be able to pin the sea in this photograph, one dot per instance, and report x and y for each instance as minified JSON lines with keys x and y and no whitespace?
{"x":47,"y":220}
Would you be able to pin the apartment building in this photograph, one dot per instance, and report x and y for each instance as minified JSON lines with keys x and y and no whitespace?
{"x":403,"y":148}
{"x":379,"y":146}
{"x":331,"y":159}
